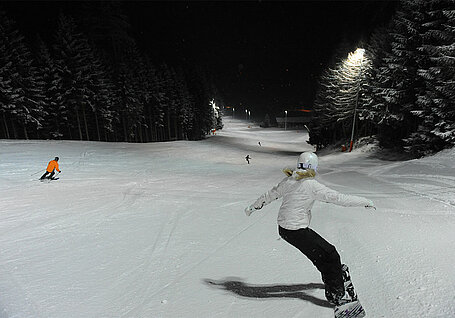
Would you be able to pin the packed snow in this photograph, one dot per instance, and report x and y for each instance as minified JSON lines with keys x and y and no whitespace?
{"x":158,"y":230}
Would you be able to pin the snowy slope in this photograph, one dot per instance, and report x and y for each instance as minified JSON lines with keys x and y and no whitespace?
{"x":158,"y":230}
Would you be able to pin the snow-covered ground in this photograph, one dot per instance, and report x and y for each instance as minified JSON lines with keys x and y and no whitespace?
{"x":158,"y":230}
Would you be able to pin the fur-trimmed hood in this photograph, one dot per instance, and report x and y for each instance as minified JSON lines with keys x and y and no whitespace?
{"x":300,"y":174}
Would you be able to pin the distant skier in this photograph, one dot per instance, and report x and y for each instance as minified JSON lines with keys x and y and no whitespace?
{"x":259,"y":143}
{"x":299,"y":191}
{"x":247,"y":158}
{"x":50,"y":170}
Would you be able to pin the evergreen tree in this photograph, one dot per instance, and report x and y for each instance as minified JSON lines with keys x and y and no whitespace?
{"x":22,"y":100}
{"x":403,"y":63}
{"x":57,"y":116}
{"x":6,"y":86}
{"x":384,"y":110}
{"x":437,"y":126}
{"x":203,"y":111}
{"x":186,"y":111}
{"x":81,"y":72}
{"x":105,"y":98}
{"x":128,"y":107}
{"x":154,"y":102}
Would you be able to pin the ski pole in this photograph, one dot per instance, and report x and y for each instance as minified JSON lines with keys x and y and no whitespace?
{"x":36,"y":172}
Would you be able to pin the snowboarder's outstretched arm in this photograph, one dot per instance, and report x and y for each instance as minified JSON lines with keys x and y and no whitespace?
{"x":325,"y":194}
{"x":271,"y":195}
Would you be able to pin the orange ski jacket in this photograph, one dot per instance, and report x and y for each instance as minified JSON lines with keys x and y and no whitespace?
{"x":52,"y":165}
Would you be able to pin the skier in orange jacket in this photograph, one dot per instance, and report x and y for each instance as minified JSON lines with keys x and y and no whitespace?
{"x":51,"y":167}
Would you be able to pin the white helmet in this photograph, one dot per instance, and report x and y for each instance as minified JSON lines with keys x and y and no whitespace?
{"x":307,"y":160}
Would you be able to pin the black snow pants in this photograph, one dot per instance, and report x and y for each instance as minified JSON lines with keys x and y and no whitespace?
{"x":45,"y":175}
{"x":323,"y":255}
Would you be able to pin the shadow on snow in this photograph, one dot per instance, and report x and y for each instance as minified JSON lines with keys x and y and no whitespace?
{"x":236,"y":286}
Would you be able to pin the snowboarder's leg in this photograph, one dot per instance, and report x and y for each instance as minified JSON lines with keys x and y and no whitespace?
{"x":323,"y":255}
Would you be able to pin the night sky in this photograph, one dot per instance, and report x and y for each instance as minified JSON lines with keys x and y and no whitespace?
{"x":264,"y":55}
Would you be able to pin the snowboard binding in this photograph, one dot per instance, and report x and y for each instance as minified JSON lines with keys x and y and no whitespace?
{"x":348,"y":286}
{"x":349,"y":305}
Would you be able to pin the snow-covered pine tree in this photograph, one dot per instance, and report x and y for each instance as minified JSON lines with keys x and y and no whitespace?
{"x":203,"y":111}
{"x":128,"y":106}
{"x":381,"y":100}
{"x":437,"y":71}
{"x":403,"y":63}
{"x":22,"y":99}
{"x":168,"y":88}
{"x":182,"y":103}
{"x":6,"y":86}
{"x":154,"y":107}
{"x":216,"y":103}
{"x":105,"y":99}
{"x":186,"y":105}
{"x":321,"y":125}
{"x":83,"y":77}
{"x":56,"y":118}
{"x":73,"y":66}
{"x":136,"y":91}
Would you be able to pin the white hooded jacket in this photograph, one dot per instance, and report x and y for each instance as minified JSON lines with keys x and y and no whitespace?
{"x":299,"y":192}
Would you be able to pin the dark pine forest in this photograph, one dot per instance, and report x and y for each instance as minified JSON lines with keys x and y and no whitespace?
{"x":88,"y":79}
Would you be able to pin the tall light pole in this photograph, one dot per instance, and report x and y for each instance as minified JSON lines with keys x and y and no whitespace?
{"x":233,"y":112}
{"x":249,"y":115}
{"x":246,"y":114}
{"x":356,"y":56}
{"x":285,"y":119}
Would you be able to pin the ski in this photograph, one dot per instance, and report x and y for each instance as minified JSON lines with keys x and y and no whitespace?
{"x":48,"y":180}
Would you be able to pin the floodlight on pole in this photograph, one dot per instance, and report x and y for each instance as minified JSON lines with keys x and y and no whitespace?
{"x":246,"y":114}
{"x":233,"y":113}
{"x":285,"y":119}
{"x":356,"y":58}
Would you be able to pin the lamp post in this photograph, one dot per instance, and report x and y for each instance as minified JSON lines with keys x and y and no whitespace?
{"x":233,"y":113}
{"x":356,"y":56}
{"x":285,"y":119}
{"x":249,"y":115}
{"x":246,"y":114}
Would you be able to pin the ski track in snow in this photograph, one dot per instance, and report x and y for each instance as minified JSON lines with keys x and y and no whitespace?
{"x":136,"y":230}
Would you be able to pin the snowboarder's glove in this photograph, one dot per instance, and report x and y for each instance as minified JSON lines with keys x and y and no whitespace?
{"x":370,"y":205}
{"x":258,"y":205}
{"x":255,"y":206}
{"x":249,"y":210}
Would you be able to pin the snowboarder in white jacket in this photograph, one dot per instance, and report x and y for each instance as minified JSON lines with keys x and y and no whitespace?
{"x":299,"y":191}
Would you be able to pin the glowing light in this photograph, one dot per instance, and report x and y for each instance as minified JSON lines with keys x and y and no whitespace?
{"x":215,"y":108}
{"x":285,"y":119}
{"x":356,"y":57}
{"x":356,"y":60}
